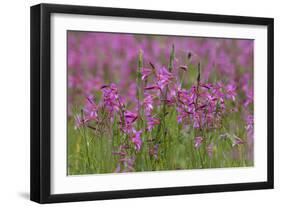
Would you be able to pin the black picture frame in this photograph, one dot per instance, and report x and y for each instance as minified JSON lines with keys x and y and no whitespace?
{"x":41,"y":98}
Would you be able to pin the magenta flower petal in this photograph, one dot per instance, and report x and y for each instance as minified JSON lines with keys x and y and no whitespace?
{"x":136,"y":139}
{"x":151,"y":122}
{"x":145,"y":72}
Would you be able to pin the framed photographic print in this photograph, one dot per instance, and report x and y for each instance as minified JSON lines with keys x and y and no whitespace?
{"x":132,"y":103}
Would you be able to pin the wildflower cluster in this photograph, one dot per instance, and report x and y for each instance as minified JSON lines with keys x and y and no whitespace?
{"x":163,"y":108}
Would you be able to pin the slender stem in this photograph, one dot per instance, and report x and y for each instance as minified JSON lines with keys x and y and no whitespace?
{"x":139,"y":83}
{"x":86,"y":140}
{"x":172,"y":57}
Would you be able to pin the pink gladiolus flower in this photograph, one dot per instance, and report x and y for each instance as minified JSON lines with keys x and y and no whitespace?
{"x":111,"y":97}
{"x":182,"y":114}
{"x":172,"y":94}
{"x":136,"y":139}
{"x":249,"y":98}
{"x":193,"y":93}
{"x":163,"y":77}
{"x":217,"y":90}
{"x":151,"y":122}
{"x":197,"y":142}
{"x":90,"y":109}
{"x":199,"y":105}
{"x":231,"y":91}
{"x":79,"y":122}
{"x":183,"y":96}
{"x":196,"y":121}
{"x":148,"y":104}
{"x":130,"y":117}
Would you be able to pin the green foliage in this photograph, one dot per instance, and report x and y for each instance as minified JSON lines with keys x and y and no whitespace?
{"x":176,"y":150}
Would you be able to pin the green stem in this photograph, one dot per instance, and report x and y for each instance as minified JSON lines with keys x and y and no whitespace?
{"x":139,"y":84}
{"x":85,"y":140}
{"x":172,"y":57}
{"x":86,"y":147}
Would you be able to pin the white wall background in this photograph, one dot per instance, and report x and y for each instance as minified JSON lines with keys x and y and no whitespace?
{"x":14,"y":102}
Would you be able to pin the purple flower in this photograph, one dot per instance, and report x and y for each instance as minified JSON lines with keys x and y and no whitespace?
{"x":148,"y":104}
{"x":231,"y":91}
{"x":151,"y":122}
{"x":249,"y":97}
{"x":78,"y":121}
{"x":130,"y":117}
{"x":210,"y":150}
{"x":129,"y":120}
{"x":111,"y":97}
{"x":217,"y":90}
{"x":197,"y":142}
{"x":163,"y":77}
{"x":90,"y":109}
{"x":125,"y":162}
{"x":89,"y":113}
{"x":145,"y":72}
{"x":196,"y":121}
{"x":182,"y":114}
{"x":172,"y":94}
{"x":136,"y":139}
{"x":193,"y":94}
{"x":183,"y":96}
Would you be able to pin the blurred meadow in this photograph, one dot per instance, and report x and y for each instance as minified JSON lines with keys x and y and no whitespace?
{"x":150,"y":103}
